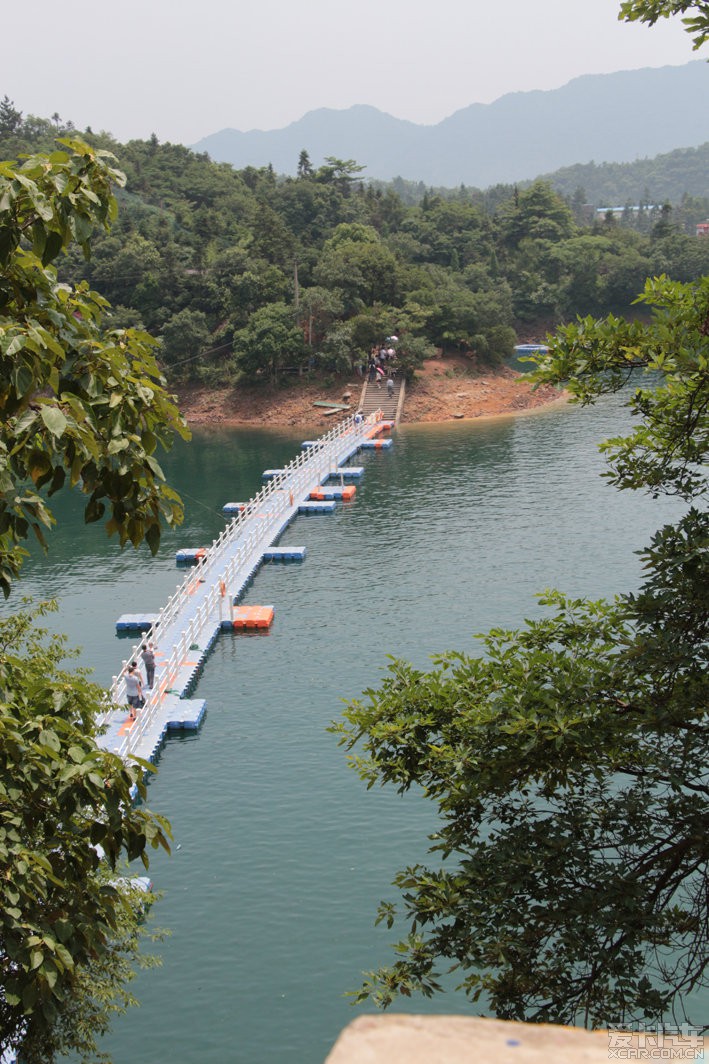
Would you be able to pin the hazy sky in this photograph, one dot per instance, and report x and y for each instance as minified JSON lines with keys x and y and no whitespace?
{"x":183,"y":70}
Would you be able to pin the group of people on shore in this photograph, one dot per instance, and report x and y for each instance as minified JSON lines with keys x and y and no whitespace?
{"x":134,"y":681}
{"x":381,"y":363}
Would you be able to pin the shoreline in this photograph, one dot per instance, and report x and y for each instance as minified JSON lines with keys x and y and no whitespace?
{"x":445,"y":390}
{"x":560,"y":399}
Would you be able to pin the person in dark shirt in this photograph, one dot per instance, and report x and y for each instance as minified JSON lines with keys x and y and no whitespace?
{"x":148,"y":656}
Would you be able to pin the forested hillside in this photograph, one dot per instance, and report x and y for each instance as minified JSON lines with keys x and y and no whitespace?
{"x":680,"y":177}
{"x":247,"y":275}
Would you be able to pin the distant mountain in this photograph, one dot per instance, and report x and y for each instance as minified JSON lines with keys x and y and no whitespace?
{"x":598,"y":117}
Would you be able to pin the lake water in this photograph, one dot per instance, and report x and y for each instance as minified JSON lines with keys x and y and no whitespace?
{"x":281,"y":855}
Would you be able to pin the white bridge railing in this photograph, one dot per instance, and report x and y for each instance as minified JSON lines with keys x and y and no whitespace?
{"x":277,"y":496}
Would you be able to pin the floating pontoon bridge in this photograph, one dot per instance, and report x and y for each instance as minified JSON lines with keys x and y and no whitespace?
{"x":207,"y":601}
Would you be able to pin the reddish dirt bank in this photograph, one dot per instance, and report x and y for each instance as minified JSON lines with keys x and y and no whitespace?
{"x":447,"y":388}
{"x":444,"y":389}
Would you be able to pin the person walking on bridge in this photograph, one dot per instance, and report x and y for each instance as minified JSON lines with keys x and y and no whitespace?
{"x":148,"y":656}
{"x":134,"y":690}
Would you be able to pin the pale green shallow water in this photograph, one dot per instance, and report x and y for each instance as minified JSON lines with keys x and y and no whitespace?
{"x":281,"y":855}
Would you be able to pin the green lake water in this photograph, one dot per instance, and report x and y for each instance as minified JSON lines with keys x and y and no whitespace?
{"x":280,"y":854}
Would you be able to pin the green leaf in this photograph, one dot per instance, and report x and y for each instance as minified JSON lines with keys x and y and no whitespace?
{"x":54,"y":419}
{"x":152,"y":537}
{"x":22,"y":379}
{"x":54,"y":244}
{"x":8,"y":242}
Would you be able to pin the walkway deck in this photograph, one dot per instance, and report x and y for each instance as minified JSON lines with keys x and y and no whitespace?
{"x":186,"y":628}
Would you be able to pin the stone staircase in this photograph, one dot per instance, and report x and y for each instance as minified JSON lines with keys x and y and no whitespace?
{"x":376,"y":397}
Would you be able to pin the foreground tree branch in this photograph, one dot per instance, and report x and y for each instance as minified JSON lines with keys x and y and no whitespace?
{"x":79,"y":406}
{"x":69,"y":928}
{"x":568,"y":762}
{"x":86,"y":408}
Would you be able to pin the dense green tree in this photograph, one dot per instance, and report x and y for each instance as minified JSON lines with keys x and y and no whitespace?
{"x":318,"y":310}
{"x":342,"y":173}
{"x":79,"y":406}
{"x":574,"y":265}
{"x":184,"y":337}
{"x":568,"y":761}
{"x":385,"y":209}
{"x":128,"y":270}
{"x":456,"y":311}
{"x":241,"y":282}
{"x":272,"y":240}
{"x":370,"y":326}
{"x":305,"y":168}
{"x":621,"y":273}
{"x":352,"y":233}
{"x":449,"y":233}
{"x":339,"y":349}
{"x":270,"y":341}
{"x":362,"y":270}
{"x":683,"y":257}
{"x":10,"y":117}
{"x":68,"y":926}
{"x":259,"y":286}
{"x":312,"y":210}
{"x":537,"y":213}
{"x":411,"y":351}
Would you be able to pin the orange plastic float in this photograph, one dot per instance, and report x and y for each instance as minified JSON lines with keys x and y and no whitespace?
{"x":346,"y":493}
{"x":252,"y":616}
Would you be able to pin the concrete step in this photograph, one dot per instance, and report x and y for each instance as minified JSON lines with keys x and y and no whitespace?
{"x":377,"y":398}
